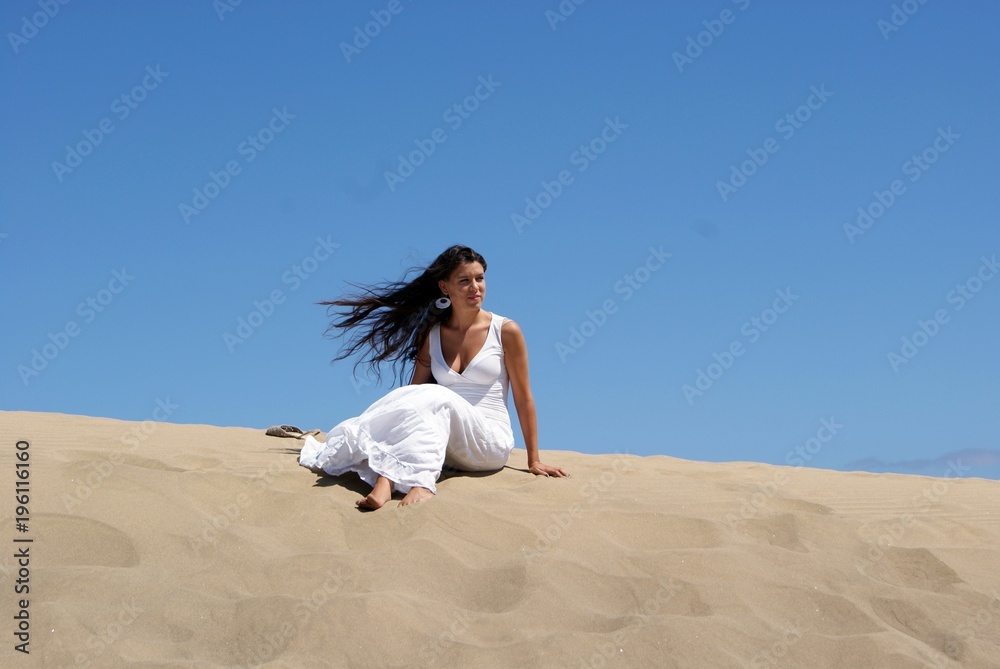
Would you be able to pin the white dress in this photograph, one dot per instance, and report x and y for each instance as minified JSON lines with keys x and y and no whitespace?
{"x":412,"y":432}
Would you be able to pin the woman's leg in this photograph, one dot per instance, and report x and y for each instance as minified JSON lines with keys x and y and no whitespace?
{"x":380,"y":494}
{"x":399,"y":443}
{"x":415,"y":495}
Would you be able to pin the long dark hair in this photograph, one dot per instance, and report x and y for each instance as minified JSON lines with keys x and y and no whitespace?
{"x":389,"y":320}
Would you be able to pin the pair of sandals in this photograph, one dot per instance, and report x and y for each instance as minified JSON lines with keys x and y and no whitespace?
{"x":290,"y":431}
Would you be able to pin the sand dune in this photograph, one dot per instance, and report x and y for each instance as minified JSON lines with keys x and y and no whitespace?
{"x":160,"y":545}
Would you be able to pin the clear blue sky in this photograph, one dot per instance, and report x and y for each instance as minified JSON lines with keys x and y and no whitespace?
{"x":741,"y":138}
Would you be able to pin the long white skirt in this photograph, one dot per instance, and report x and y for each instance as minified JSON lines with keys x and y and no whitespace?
{"x":408,"y":436}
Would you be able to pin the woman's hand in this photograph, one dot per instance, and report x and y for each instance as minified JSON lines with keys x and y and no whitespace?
{"x":539,"y":469}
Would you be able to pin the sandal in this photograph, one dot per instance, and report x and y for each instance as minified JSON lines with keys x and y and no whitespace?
{"x":289,"y":431}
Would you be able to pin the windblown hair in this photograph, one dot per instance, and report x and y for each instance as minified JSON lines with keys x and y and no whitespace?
{"x":389,"y":320}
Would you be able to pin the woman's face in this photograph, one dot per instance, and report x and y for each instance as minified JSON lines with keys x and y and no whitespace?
{"x":466,"y":287}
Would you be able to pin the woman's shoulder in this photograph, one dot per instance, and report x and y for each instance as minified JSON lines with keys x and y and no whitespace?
{"x":503,"y":322}
{"x":510,"y":333}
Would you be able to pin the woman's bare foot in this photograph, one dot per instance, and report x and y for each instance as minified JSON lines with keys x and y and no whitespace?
{"x":416,"y":495}
{"x":380,"y":494}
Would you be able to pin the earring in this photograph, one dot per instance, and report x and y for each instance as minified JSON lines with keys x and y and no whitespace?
{"x":442,"y":303}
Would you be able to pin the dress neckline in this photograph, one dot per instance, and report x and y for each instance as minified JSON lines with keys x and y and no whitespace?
{"x":489,"y":331}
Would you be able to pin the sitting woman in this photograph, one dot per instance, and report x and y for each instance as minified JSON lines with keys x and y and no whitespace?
{"x":454,"y":412}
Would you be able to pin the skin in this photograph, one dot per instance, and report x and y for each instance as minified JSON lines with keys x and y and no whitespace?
{"x":463,"y":335}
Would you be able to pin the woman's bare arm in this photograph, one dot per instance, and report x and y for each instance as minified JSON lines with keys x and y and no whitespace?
{"x":422,"y":364}
{"x":515,"y":352}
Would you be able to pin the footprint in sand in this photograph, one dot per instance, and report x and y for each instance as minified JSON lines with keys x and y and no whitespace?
{"x":910,"y":620}
{"x":914,"y":568}
{"x":781,"y":531}
{"x":71,"y":541}
{"x":496,"y":589}
{"x":680,"y":598}
{"x":147,"y":463}
{"x":800,"y":506}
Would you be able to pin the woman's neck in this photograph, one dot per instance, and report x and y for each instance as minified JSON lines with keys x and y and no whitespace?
{"x":464,"y":319}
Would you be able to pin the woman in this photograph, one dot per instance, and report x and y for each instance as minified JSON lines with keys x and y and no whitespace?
{"x":454,"y":411}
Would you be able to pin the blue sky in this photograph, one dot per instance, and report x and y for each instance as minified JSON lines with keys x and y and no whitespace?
{"x":729,"y":230}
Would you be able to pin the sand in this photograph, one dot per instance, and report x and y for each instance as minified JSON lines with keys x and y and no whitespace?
{"x":161,"y":545}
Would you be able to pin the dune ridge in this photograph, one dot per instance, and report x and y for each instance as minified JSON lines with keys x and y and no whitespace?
{"x":163,"y":545}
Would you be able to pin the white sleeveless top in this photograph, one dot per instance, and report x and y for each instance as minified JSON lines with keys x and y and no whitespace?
{"x":484,"y":383}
